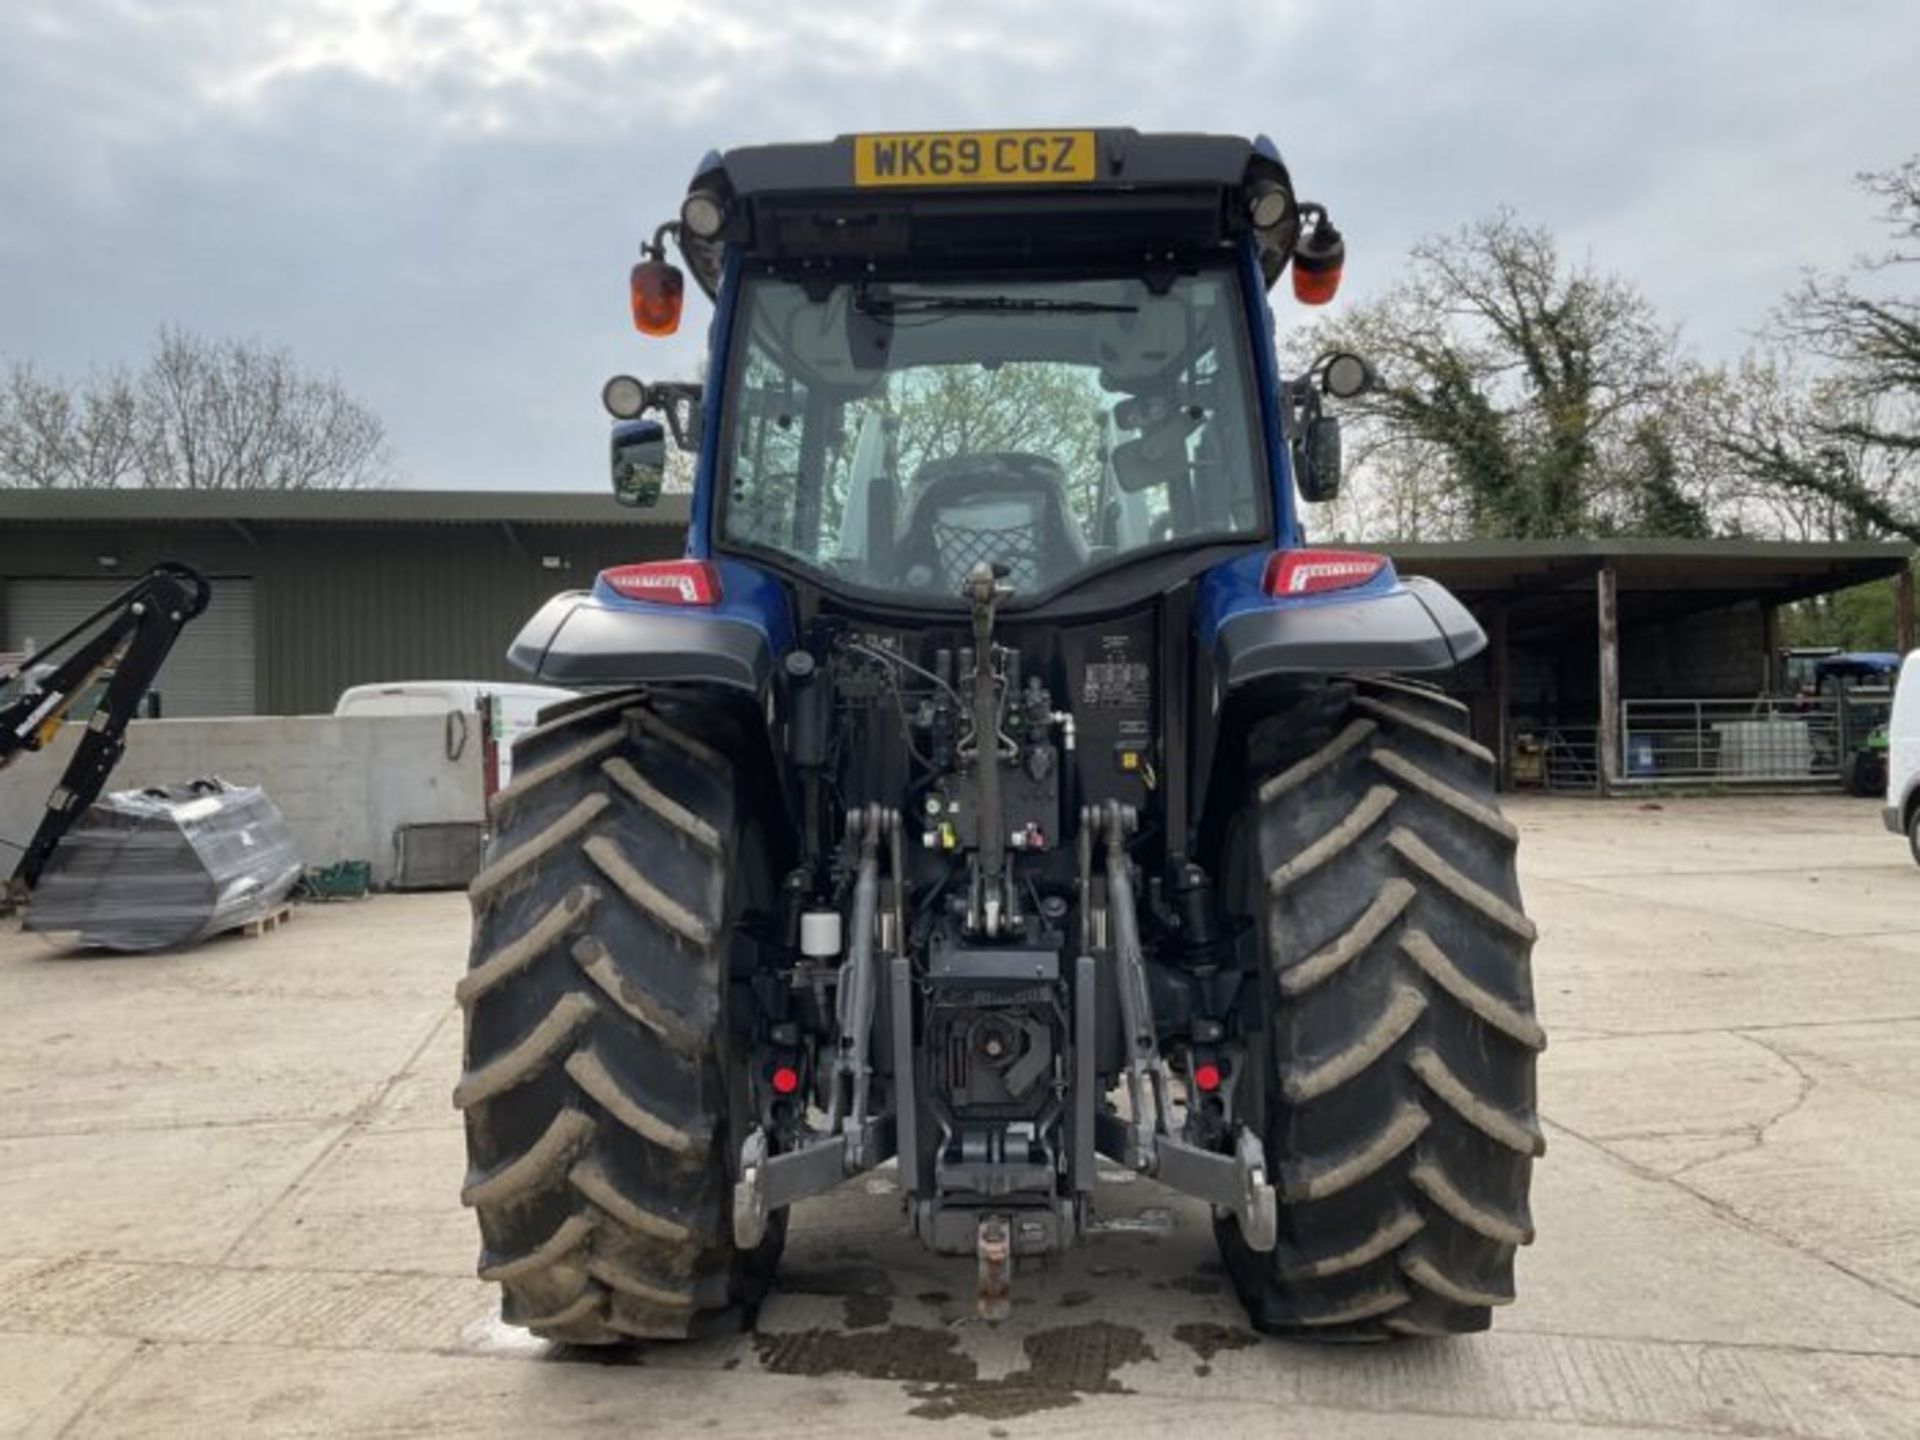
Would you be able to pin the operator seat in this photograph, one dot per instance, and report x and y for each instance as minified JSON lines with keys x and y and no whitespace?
{"x":1007,"y":507}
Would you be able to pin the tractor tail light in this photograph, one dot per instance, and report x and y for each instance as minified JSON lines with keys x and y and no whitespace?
{"x":657,"y":289}
{"x":1206,"y":1076}
{"x":1312,"y":572}
{"x":666,"y":582}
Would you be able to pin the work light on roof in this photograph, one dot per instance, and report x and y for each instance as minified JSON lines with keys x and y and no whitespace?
{"x":703,"y":213}
{"x":1269,"y":206}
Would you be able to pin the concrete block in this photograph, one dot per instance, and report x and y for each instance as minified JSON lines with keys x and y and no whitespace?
{"x":344,"y":784}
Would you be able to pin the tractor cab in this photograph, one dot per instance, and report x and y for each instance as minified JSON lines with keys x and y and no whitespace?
{"x":906,"y":391}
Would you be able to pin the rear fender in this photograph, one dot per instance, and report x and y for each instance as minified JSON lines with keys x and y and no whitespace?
{"x":1253,"y":644}
{"x":1388,"y":624}
{"x":600,"y":637}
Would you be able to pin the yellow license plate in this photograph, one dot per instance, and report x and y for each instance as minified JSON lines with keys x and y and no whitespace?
{"x":974,"y":157}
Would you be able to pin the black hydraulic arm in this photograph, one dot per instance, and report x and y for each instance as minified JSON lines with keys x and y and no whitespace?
{"x":128,"y":640}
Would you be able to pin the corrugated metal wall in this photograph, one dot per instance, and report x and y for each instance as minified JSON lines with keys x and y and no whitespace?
{"x":211,"y":670}
{"x":349,"y":605}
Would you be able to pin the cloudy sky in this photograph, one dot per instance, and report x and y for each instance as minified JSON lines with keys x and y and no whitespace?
{"x":438,"y":201}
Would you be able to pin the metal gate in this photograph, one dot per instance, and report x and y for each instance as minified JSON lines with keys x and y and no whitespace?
{"x":1763,"y":741}
{"x":211,"y":670}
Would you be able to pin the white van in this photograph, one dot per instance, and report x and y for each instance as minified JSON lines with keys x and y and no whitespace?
{"x":1903,"y":756}
{"x":515,"y":711}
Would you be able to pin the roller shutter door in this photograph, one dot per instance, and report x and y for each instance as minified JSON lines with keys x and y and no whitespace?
{"x":211,"y":669}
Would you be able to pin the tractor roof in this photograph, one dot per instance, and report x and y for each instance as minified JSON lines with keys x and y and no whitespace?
{"x":980,"y":199}
{"x":1124,"y":159}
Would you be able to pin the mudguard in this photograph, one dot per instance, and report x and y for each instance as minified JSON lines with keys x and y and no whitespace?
{"x":1391,"y":624}
{"x":599,"y":637}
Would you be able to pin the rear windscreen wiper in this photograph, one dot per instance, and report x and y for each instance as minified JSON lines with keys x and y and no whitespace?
{"x":889,"y":305}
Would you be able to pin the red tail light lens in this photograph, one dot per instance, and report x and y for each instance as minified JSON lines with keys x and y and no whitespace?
{"x":786,"y":1080}
{"x":1206,"y":1076}
{"x":666,"y":582}
{"x":1311,"y":572}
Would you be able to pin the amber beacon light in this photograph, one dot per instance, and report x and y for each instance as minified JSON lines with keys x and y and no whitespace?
{"x":657,"y":289}
{"x":1319,"y":256}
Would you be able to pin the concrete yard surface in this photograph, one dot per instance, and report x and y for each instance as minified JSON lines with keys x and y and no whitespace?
{"x":229,"y":1199}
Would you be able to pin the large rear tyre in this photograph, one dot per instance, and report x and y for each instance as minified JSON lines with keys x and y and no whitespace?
{"x":1393,"y":1074}
{"x":602,"y":1102}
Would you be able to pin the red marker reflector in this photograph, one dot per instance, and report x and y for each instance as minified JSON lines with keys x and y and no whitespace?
{"x":666,"y":582}
{"x":1206,"y":1076}
{"x":1312,"y":572}
{"x":786,"y":1080}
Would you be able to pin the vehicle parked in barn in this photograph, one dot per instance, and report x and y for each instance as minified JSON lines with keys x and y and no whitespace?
{"x":998,"y":746}
{"x":1860,"y":684}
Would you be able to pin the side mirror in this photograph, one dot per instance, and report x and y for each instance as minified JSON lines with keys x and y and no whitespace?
{"x":1320,"y":478}
{"x":639,"y":462}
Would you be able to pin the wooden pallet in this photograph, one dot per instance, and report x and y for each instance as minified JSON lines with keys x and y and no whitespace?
{"x":272,"y":920}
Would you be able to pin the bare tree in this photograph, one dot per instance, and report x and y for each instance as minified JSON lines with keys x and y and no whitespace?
{"x":1532,"y":393}
{"x":200,"y":415}
{"x":1829,"y":414}
{"x":225,"y":415}
{"x":79,"y":437}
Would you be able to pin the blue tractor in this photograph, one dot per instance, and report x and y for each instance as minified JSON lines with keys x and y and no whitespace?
{"x":1000,"y":785}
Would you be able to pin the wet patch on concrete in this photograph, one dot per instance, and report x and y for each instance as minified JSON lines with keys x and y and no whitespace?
{"x":1074,"y":1299}
{"x":1063,"y":1364}
{"x":911,"y":1353}
{"x":865,"y":1291}
{"x":866,"y":1312}
{"x":1207,"y":1339}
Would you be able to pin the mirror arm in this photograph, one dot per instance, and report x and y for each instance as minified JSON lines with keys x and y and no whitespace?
{"x":666,"y":397}
{"x":656,"y":249}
